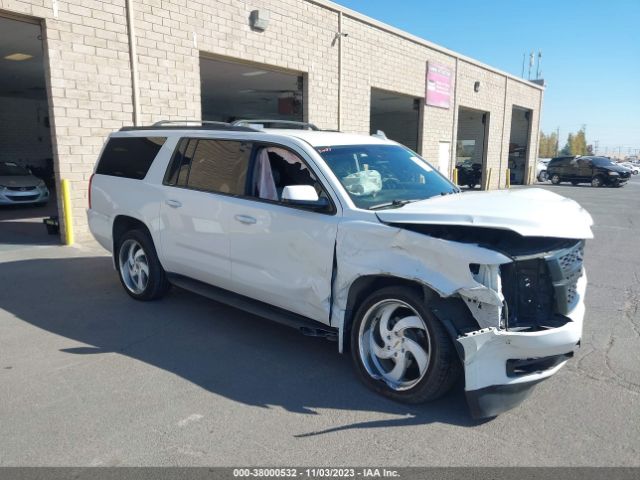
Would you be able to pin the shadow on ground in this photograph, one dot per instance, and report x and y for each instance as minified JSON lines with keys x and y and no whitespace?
{"x":221,"y":349}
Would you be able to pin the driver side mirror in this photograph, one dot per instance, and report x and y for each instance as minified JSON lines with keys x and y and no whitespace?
{"x":304,"y":196}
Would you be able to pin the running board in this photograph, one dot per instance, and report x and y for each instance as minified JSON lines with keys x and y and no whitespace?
{"x":303,"y":324}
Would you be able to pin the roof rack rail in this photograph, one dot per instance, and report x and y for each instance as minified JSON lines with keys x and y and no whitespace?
{"x":187,"y":125}
{"x":202,"y":122}
{"x":289,"y":123}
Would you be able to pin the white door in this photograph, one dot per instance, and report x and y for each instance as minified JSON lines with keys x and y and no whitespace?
{"x":202,"y":177}
{"x":283,"y":256}
{"x":280,"y":254}
{"x":444,"y":158}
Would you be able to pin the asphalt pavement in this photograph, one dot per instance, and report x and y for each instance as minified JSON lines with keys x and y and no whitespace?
{"x":89,"y":376}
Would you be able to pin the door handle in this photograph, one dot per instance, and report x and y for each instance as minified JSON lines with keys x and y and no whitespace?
{"x":174,"y":203}
{"x":246,"y":219}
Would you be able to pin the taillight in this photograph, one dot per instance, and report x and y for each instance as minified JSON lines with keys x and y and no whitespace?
{"x":90,"y":180}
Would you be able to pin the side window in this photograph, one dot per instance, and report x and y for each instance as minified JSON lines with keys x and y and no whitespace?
{"x":178,"y":169}
{"x":219,"y":166}
{"x":275,"y":168}
{"x":129,"y":157}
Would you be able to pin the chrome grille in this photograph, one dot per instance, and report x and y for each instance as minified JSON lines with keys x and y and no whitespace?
{"x":21,"y":189}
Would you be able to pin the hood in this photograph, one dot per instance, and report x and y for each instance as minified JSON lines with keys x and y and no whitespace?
{"x":18,"y":181}
{"x":531,"y":212}
{"x":616,"y":168}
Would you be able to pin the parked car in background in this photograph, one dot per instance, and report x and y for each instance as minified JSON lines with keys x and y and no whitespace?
{"x":469,"y":173}
{"x":19,"y":186}
{"x":597,"y":171}
{"x":635,"y":169}
{"x":541,"y":169}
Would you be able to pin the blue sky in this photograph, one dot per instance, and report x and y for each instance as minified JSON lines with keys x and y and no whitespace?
{"x":590,"y":53}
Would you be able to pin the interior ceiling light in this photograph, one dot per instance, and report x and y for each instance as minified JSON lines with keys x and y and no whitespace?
{"x":248,"y":90}
{"x":18,"y":57}
{"x":254,"y":74}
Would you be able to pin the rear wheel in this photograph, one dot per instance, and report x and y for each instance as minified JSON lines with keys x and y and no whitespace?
{"x":543,"y":176}
{"x":140,"y":271}
{"x":400,"y":349}
{"x":555,"y":179}
{"x":596,"y":181}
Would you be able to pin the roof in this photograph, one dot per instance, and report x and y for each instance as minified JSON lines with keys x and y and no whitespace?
{"x":322,"y":138}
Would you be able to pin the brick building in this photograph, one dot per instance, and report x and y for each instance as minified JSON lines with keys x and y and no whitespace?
{"x":94,"y":66}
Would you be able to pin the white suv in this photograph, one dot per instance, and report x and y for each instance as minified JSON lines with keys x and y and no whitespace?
{"x":356,"y":239}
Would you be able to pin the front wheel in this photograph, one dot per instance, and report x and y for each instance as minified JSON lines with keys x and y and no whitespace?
{"x":596,"y":181}
{"x":400,"y":349}
{"x":140,"y":271}
{"x":555,"y":179}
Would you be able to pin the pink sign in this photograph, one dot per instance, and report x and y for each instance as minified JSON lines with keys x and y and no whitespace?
{"x":438,"y":85}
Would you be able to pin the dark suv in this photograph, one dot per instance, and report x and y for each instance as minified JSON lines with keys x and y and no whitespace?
{"x":597,"y":171}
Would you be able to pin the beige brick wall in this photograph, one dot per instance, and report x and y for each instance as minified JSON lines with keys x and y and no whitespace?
{"x":90,"y":82}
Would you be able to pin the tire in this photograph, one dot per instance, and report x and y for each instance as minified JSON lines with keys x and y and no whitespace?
{"x":555,"y":179}
{"x":422,"y":376}
{"x":543,"y":176}
{"x":139,"y":269}
{"x":597,"y":181}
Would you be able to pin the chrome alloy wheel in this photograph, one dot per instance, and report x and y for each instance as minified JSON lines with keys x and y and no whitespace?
{"x":134,"y":266}
{"x":394,"y":344}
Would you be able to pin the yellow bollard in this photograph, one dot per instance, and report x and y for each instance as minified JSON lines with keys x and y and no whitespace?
{"x":488,"y":183}
{"x":508,"y":179}
{"x":66,"y":210}
{"x":455,"y":175}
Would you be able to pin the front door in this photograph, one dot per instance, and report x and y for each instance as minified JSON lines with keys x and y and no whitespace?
{"x":282,"y":255}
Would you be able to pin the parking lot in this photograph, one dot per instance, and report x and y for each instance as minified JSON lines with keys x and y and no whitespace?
{"x":89,"y":376}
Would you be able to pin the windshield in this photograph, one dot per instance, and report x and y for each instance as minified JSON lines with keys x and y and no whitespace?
{"x":378,"y":176}
{"x":11,"y":169}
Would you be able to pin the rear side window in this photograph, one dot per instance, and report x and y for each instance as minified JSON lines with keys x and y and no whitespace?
{"x":129,"y":157}
{"x":219,"y":166}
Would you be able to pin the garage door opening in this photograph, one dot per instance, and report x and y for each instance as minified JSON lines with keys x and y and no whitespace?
{"x":234,"y":91}
{"x":27,"y":182}
{"x":398,"y":116}
{"x":519,"y":144}
{"x":471,"y":147}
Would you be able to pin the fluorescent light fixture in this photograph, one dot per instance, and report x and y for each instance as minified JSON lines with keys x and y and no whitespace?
{"x":254,"y":74}
{"x":18,"y":57}
{"x":248,"y":90}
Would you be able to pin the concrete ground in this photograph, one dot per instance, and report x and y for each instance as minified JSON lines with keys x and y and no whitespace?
{"x":89,"y":376}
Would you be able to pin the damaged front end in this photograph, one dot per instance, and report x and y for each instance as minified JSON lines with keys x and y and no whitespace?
{"x":530,"y":312}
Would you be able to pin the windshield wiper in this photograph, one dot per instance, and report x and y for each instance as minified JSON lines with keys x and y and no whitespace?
{"x":393,"y":204}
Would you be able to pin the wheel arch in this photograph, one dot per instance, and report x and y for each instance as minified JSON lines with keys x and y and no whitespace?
{"x":364,"y":286}
{"x":123,"y":224}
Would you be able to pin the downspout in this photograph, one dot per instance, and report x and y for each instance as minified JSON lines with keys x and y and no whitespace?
{"x":133,"y":60}
{"x":340,"y":70}
{"x":454,"y":131}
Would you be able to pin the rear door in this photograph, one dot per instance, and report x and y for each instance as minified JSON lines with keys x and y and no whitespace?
{"x":585,"y":169}
{"x":200,"y":182}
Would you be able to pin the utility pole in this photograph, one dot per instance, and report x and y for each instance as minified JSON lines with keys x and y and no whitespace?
{"x":557,"y":141}
{"x":531,"y":57}
{"x":524,"y":56}
{"x":596,"y":143}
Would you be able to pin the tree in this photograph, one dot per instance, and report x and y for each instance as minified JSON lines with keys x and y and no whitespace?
{"x":547,"y":145}
{"x":576,"y":144}
{"x":566,"y":150}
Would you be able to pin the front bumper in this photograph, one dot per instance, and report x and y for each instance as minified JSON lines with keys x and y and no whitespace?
{"x":19,"y":197}
{"x":492,"y":384}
